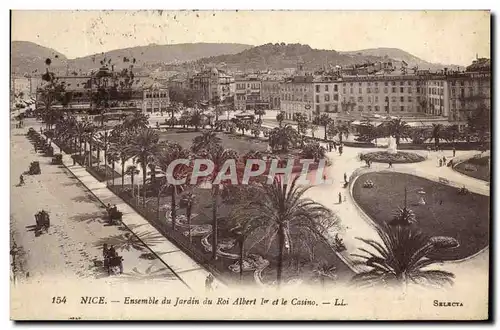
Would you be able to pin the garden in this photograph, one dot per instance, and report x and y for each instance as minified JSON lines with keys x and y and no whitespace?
{"x":401,"y":157}
{"x":448,"y":211}
{"x":476,"y":167}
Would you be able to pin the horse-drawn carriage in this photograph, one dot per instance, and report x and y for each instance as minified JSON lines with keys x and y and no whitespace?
{"x":42,"y":220}
{"x":114,"y":216}
{"x":57,"y":159}
{"x":113,"y":264}
{"x":34,"y":168}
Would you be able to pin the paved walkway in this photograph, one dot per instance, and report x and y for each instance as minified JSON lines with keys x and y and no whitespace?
{"x":188,"y":270}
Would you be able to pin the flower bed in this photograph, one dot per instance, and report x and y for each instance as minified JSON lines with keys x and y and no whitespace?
{"x":400,"y":157}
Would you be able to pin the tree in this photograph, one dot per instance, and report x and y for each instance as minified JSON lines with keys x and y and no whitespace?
{"x":403,"y":257}
{"x":283,"y":137}
{"x":256,"y":130}
{"x":343,"y":130}
{"x":260,"y":112}
{"x":144,"y":147}
{"x":313,"y":151}
{"x":135,"y":122}
{"x":170,"y":153}
{"x":196,"y":119}
{"x":189,"y":199}
{"x":112,"y":157}
{"x":313,"y":129}
{"x":132,"y":171}
{"x":280,"y":117}
{"x":437,"y":130}
{"x":325,"y":120}
{"x":331,"y":130}
{"x":51,"y":92}
{"x":398,"y":128}
{"x":218,"y":156}
{"x":479,"y":122}
{"x":120,"y":149}
{"x":324,"y":271}
{"x":207,"y":140}
{"x":283,"y":212}
{"x":451,"y":133}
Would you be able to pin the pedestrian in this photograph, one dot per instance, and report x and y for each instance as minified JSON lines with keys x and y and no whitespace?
{"x":340,"y":198}
{"x":112,"y":252}
{"x":390,"y":164}
{"x":340,"y":150}
{"x":440,"y":162}
{"x":105,"y":251}
{"x":335,"y":145}
{"x":454,"y":151}
{"x":21,"y":180}
{"x":444,"y":160}
{"x":345,"y":177}
{"x":208,"y":282}
{"x":369,"y":163}
{"x":35,"y":148}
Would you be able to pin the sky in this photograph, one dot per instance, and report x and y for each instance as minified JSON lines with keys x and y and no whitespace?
{"x":448,"y":37}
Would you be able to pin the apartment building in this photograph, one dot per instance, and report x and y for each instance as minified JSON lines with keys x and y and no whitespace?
{"x":248,"y":93}
{"x":297,"y":96}
{"x":213,"y":84}
{"x":155,"y":98}
{"x":270,"y":93}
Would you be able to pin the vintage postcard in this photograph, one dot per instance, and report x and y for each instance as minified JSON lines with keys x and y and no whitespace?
{"x":250,"y":165}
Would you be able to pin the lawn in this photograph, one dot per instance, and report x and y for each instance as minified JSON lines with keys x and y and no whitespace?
{"x":242,"y":144}
{"x":464,"y":217}
{"x":477,"y":168}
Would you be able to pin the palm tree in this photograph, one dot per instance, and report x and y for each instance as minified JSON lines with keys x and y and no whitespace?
{"x":136,"y":122}
{"x":325,"y":120}
{"x":132,"y":171}
{"x":398,"y":129}
{"x":324,"y":271}
{"x":172,"y":152}
{"x":195,"y":119}
{"x":284,"y":137}
{"x":112,"y":157}
{"x":189,"y":199}
{"x":452,"y":133}
{"x":403,"y":257}
{"x":144,"y":147}
{"x":207,"y":140}
{"x":283,"y":212}
{"x":437,"y":130}
{"x":120,"y":148}
{"x":218,"y":156}
{"x":280,"y":117}
{"x":313,"y":129}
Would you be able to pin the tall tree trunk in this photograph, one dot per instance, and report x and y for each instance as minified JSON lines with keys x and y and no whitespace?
{"x":132,"y":181}
{"x":325,"y":134}
{"x":281,"y":243}
{"x":98,"y":156}
{"x":90,"y":153}
{"x":188,"y":215}
{"x":214,"y":221}
{"x":123,"y":172}
{"x":173,"y":211}
{"x":113,"y":172}
{"x":143,"y":165}
{"x":241,"y":259}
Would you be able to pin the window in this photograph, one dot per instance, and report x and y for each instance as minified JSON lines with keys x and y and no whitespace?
{"x":376,"y":89}
{"x":376,"y":99}
{"x":360,"y":91}
{"x":386,"y":83}
{"x":360,"y":108}
{"x":327,"y":97}
{"x":335,"y":88}
{"x":393,"y":83}
{"x":360,"y":84}
{"x":410,"y":90}
{"x":394,"y":108}
{"x":326,"y":88}
{"x":402,"y":108}
{"x":401,"y":89}
{"x":418,"y":89}
{"x":327,"y":107}
{"x":343,"y":90}
{"x":401,"y":83}
{"x":352,"y":84}
{"x":317,"y":108}
{"x":351,"y":90}
{"x":402,"y":99}
{"x":393,"y":99}
{"x":336,"y":97}
{"x":377,"y":108}
{"x":335,"y":108}
{"x":317,"y":98}
{"x":343,"y":84}
{"x":369,"y":99}
{"x":409,"y":99}
{"x":386,"y":90}
{"x":453,"y":83}
{"x":360,"y":99}
{"x":462,"y":83}
{"x":317,"y":88}
{"x":368,"y":90}
{"x":376,"y":83}
{"x":369,"y":108}
{"x":394,"y":89}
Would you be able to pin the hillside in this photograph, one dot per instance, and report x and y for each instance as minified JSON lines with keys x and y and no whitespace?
{"x":280,"y":56}
{"x":400,"y":55}
{"x":28,"y":55}
{"x":29,"y":58}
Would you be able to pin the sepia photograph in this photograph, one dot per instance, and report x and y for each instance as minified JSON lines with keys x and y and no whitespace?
{"x":250,"y":165}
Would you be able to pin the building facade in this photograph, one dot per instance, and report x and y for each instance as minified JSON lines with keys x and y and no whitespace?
{"x":270,"y":93}
{"x":212,"y":84}
{"x":248,"y":93}
{"x":155,"y":98}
